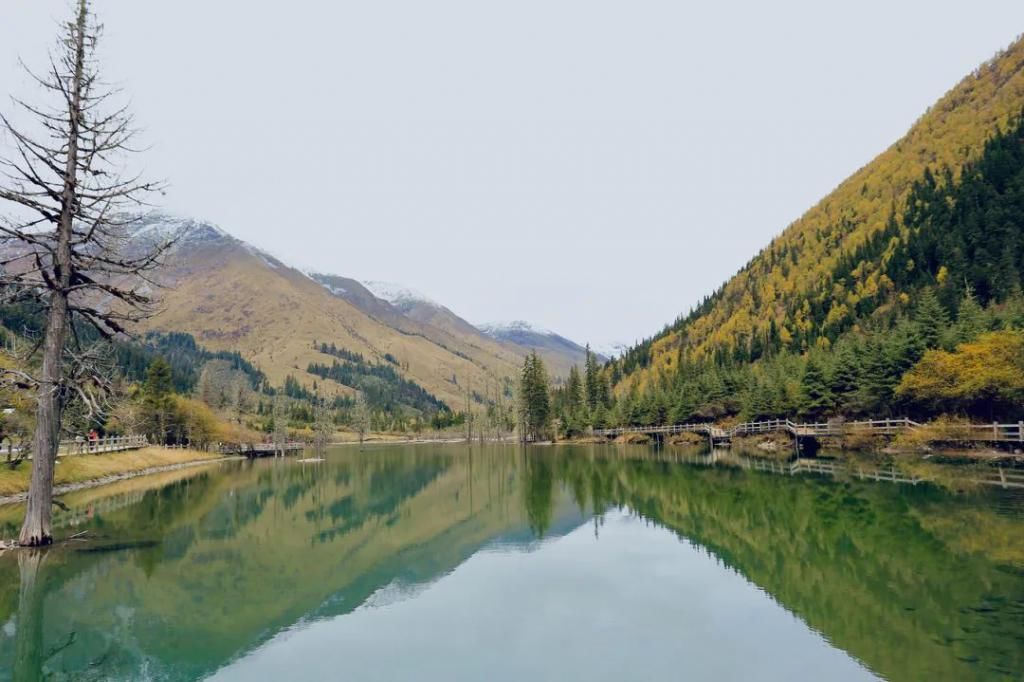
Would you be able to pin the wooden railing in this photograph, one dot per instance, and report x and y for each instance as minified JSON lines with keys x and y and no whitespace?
{"x":101,"y":445}
{"x":1003,"y":433}
{"x":82,"y":447}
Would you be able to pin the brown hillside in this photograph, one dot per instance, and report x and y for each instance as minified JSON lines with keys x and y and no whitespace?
{"x":233,"y":297}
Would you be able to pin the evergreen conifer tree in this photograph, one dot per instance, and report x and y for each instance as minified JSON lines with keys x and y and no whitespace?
{"x":158,"y":398}
{"x":845,"y":374}
{"x":592,"y":380}
{"x":535,"y":405}
{"x":931,"y":318}
{"x":816,"y":397}
{"x":574,"y":395}
{"x":970,"y":321}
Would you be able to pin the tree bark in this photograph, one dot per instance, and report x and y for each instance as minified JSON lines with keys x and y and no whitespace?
{"x":36,"y":531}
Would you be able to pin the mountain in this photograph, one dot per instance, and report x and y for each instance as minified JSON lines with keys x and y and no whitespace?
{"x":230,"y":295}
{"x":325,"y":328}
{"x":415,"y":315}
{"x":423,"y":310}
{"x":405,"y":308}
{"x":934,"y":214}
{"x":610,"y":350}
{"x":558,"y":352}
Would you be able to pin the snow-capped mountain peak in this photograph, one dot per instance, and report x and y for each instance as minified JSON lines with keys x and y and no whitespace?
{"x":610,"y":350}
{"x":514,"y":327}
{"x":397,"y":294}
{"x":158,"y":226}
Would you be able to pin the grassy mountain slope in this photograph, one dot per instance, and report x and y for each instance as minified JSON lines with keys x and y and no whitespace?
{"x":790,"y":290}
{"x":515,"y":340}
{"x":230,"y":296}
{"x":421,"y":318}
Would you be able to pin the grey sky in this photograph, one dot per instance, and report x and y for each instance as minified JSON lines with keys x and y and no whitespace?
{"x":594,"y":167}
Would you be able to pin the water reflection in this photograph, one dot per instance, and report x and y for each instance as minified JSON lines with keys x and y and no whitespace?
{"x":181,"y":579}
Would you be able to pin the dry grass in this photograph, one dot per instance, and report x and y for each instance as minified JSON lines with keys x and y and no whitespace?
{"x":941,"y":430}
{"x":78,"y":468}
{"x":774,"y":446}
{"x":634,"y":439}
{"x":855,"y":438}
{"x":687,"y":439}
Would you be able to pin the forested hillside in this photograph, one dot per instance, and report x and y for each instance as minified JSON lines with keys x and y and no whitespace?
{"x":909,"y":273}
{"x":783,"y":283}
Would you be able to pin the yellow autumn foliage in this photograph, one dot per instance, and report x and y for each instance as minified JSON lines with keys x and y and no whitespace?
{"x":950,"y":133}
{"x":988,"y":369}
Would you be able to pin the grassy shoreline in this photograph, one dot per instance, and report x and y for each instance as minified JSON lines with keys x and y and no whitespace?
{"x":83,"y":470}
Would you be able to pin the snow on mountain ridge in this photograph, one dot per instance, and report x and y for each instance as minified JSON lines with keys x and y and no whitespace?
{"x":160,"y":226}
{"x":516,"y":326}
{"x":396,"y":294}
{"x":610,"y":350}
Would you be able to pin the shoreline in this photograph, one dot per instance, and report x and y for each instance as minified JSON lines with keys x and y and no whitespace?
{"x":74,"y":486}
{"x":957,"y":459}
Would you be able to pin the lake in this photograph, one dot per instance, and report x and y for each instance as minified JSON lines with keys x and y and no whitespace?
{"x":499,"y":563}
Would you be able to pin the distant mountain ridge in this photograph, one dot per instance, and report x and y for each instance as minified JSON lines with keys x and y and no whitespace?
{"x":398,"y":304}
{"x":398,"y":294}
{"x":558,"y":352}
{"x":231,"y":295}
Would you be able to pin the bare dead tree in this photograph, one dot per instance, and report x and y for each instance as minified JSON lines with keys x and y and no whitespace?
{"x":323,"y":425}
{"x":65,"y":242}
{"x":361,"y":416}
{"x":469,"y":413}
{"x":280,"y":424}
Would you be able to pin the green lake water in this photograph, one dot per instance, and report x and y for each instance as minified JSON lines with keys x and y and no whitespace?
{"x":498,"y":563}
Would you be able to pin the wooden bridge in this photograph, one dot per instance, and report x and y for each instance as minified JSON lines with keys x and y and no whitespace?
{"x":991,"y":433}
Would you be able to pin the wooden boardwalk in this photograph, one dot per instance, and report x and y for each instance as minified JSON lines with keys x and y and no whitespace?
{"x":990,"y":433}
{"x":100,"y":446}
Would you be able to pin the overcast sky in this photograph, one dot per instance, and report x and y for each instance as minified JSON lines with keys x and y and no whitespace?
{"x":593,"y":167}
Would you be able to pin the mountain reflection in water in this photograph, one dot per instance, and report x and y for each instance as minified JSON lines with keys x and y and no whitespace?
{"x":445,"y":562}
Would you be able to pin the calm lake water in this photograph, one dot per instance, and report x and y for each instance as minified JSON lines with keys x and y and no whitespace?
{"x":445,"y":563}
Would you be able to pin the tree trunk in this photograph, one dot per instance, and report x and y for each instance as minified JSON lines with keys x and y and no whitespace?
{"x":36,"y":530}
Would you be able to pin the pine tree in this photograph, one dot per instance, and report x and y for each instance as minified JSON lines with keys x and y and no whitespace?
{"x":816,"y":398}
{"x":756,"y":400}
{"x":534,"y":399}
{"x":158,"y":398}
{"x":845,"y":374}
{"x":593,"y":381}
{"x":970,"y":321}
{"x":574,"y":395}
{"x":931,"y":318}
